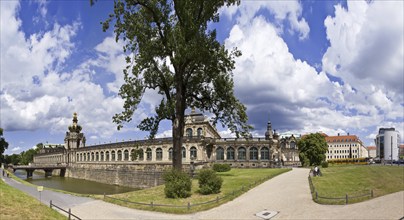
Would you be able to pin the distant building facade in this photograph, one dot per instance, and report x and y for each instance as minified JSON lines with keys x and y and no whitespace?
{"x":387,"y":144}
{"x":344,"y":147}
{"x":372,"y":151}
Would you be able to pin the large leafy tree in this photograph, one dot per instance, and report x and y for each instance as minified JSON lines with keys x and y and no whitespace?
{"x":312,"y":149}
{"x":3,"y":144}
{"x":173,"y":52}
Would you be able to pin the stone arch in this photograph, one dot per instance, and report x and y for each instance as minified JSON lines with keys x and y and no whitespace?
{"x":199,"y":132}
{"x":149,"y":154}
{"x":170,"y":153}
{"x":230,"y":153}
{"x":219,"y":153}
{"x":159,"y":154}
{"x":264,"y":153}
{"x":107,"y":158}
{"x":189,"y":132}
{"x":102,"y":158}
{"x":193,"y":153}
{"x":253,"y":153}
{"x":242,"y":153}
{"x":113,"y":156}
{"x":126,"y":155}
{"x":119,"y":155}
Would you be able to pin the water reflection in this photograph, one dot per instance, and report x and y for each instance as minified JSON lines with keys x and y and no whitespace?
{"x":72,"y":184}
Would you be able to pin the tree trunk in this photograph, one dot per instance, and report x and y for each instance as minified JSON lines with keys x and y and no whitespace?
{"x":178,"y":123}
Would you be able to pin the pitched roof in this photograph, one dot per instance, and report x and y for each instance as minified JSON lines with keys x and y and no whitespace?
{"x":371,"y":147}
{"x":342,"y":138}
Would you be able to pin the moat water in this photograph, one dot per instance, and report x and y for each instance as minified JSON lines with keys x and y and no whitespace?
{"x":72,"y":184}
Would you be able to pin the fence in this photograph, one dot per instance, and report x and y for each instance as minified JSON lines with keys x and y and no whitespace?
{"x":69,"y":213}
{"x":347,"y":198}
{"x":188,"y":206}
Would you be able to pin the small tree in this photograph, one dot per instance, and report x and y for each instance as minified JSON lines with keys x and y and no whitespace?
{"x":209,"y":182}
{"x":177,"y":184}
{"x":3,"y":145}
{"x":313,"y":148}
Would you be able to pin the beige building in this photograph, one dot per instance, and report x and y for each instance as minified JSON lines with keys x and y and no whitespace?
{"x":345,"y":146}
{"x":372,"y":151}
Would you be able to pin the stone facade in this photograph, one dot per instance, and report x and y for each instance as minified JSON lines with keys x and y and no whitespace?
{"x":128,"y":163}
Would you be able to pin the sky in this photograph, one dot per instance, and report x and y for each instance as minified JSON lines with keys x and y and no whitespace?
{"x":308,"y":66}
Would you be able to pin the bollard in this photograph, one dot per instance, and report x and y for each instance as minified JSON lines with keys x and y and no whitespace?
{"x":346,"y":198}
{"x":70,"y":214}
{"x":189,"y":206}
{"x":371,"y":193}
{"x":217,"y":199}
{"x":50,"y":204}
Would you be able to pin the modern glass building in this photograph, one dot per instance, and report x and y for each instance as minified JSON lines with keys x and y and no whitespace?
{"x":388,"y":144}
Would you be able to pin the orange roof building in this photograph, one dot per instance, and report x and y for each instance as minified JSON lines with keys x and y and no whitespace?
{"x":345,"y":146}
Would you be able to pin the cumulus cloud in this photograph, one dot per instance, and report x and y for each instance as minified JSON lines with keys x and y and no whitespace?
{"x":290,"y":11}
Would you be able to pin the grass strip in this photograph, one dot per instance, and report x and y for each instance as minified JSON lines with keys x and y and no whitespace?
{"x":235,"y":183}
{"x":354,"y":181}
{"x":15,"y":204}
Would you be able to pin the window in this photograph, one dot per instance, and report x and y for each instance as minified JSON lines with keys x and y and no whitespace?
{"x":102,"y":156}
{"x":119,"y":155}
{"x":193,"y":153}
{"x":184,"y":152}
{"x":107,"y":156}
{"x":170,"y":153}
{"x":241,"y":153}
{"x":230,"y":153}
{"x":97,"y":157}
{"x":126,"y":155}
{"x":253,"y":153}
{"x":88,"y":156}
{"x":131,"y":154}
{"x":92,"y":156}
{"x":199,"y":132}
{"x":189,"y":132}
{"x":292,"y":145}
{"x":113,"y":155}
{"x":77,"y":157}
{"x":283,"y":145}
{"x":148,"y":154}
{"x":219,"y":153}
{"x":264,"y":153}
{"x":140,"y":156}
{"x":159,"y":154}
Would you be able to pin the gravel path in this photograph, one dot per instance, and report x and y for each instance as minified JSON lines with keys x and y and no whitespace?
{"x":288,"y":193}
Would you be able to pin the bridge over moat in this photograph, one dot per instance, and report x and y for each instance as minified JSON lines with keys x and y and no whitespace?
{"x":47,"y":168}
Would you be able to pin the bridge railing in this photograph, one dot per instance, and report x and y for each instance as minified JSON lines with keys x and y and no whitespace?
{"x":69,"y":212}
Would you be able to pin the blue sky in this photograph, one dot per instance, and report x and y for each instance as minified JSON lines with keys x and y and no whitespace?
{"x":330,"y":66}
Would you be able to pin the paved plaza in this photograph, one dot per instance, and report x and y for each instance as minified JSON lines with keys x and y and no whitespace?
{"x":289,"y":194}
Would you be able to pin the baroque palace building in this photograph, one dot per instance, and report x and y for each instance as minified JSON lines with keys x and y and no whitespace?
{"x":202,"y":146}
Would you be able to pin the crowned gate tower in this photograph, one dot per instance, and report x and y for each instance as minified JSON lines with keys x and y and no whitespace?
{"x":74,"y":138}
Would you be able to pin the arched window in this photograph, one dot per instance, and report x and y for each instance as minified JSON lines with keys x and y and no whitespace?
{"x":77,"y":157}
{"x":189,"y":132}
{"x":102,"y":155}
{"x":148,"y":154}
{"x":253,"y":153}
{"x":184,"y":152}
{"x":264,"y":153}
{"x":84,"y":157}
{"x":92,"y":156}
{"x":170,"y":153}
{"x":88,"y":156}
{"x":199,"y":132}
{"x":219,"y":153}
{"x":140,"y":156}
{"x":292,"y":145}
{"x":131,"y":154}
{"x":230,"y":153}
{"x":283,"y":145}
{"x":81,"y":157}
{"x":126,"y":155}
{"x":159,"y":154}
{"x":119,"y":155}
{"x":97,"y":156}
{"x":193,"y":152}
{"x":241,"y":153}
{"x":113,"y":155}
{"x":107,"y":156}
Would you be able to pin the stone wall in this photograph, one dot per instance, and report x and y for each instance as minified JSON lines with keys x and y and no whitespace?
{"x":131,"y":175}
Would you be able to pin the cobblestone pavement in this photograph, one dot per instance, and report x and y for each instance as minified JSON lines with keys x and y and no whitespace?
{"x":289,"y":194}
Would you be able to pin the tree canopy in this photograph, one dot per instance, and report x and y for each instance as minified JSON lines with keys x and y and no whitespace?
{"x":312,"y":149}
{"x":3,"y":144}
{"x":171,"y":50}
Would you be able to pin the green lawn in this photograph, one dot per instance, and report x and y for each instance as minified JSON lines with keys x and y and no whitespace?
{"x":15,"y":204}
{"x":237,"y":180}
{"x":337,"y":181}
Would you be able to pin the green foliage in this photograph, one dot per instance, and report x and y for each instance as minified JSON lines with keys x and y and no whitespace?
{"x":170,"y":50}
{"x":209,"y":182}
{"x":136,"y":153}
{"x":177,"y":184}
{"x":221,"y":167}
{"x":3,"y":144}
{"x":13,"y":159}
{"x":324,"y":164}
{"x":313,"y":148}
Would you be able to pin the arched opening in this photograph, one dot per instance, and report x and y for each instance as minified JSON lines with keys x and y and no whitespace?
{"x":170,"y":153}
{"x":230,"y":153}
{"x":264,"y":153}
{"x":141,"y":155}
{"x":107,"y":156}
{"x":189,"y":132}
{"x":292,"y":145}
{"x":92,"y":156}
{"x":219,"y":153}
{"x":184,"y":152}
{"x":199,"y":132}
{"x":253,"y":153}
{"x":97,"y":156}
{"x":113,"y":155}
{"x":102,"y":155}
{"x":148,"y":154}
{"x":241,"y":153}
{"x":159,"y":154}
{"x":119,"y":155}
{"x":193,"y":153}
{"x":126,"y":155}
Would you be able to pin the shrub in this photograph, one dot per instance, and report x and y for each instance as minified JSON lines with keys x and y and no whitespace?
{"x":177,"y":184}
{"x":209,"y":182}
{"x":221,"y":167}
{"x":324,"y":164}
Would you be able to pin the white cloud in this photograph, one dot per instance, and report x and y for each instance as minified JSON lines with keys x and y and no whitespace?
{"x":15,"y":149}
{"x":290,"y":11}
